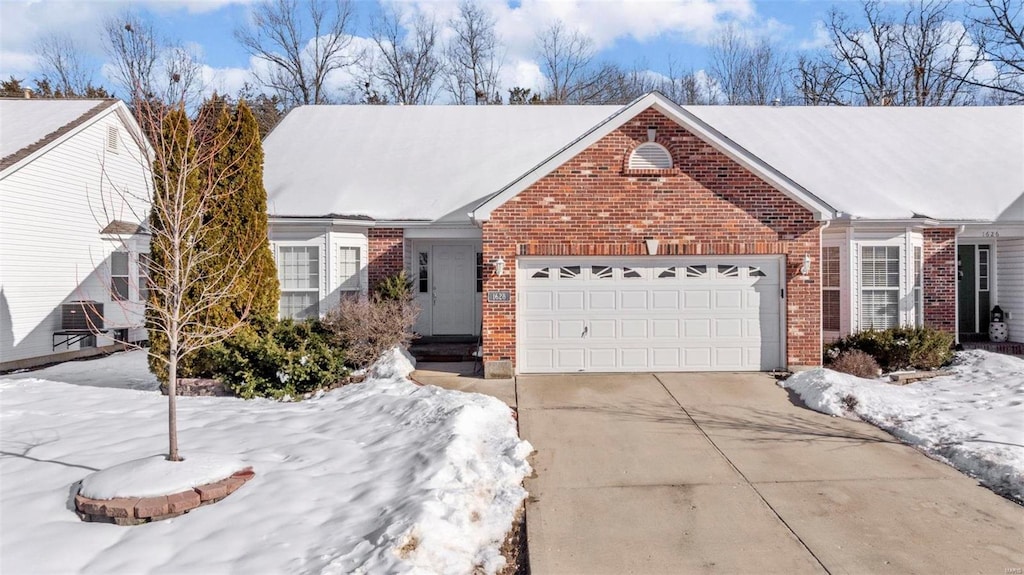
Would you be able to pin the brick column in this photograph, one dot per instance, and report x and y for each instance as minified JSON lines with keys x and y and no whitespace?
{"x":386,"y":253}
{"x":939,"y":278}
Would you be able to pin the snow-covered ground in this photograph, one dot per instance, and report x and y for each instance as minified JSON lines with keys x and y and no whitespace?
{"x":972,"y":419}
{"x":379,"y":477}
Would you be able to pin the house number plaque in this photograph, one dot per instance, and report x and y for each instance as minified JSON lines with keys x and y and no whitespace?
{"x":499,"y":296}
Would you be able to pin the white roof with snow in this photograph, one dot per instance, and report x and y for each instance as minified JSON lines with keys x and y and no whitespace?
{"x":410,"y":162}
{"x":24,"y":121}
{"x":959,"y":163}
{"x":439,"y":162}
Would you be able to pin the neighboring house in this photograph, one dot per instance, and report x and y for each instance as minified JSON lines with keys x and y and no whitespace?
{"x":73,"y":184}
{"x":654,"y":237}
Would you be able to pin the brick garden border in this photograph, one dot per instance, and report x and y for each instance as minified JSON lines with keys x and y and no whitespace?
{"x":139,"y":510}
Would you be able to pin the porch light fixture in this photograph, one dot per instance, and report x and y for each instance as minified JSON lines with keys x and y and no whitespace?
{"x":499,"y":266}
{"x":805,"y":268}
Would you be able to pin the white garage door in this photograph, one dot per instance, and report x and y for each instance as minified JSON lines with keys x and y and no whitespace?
{"x":715,"y":313}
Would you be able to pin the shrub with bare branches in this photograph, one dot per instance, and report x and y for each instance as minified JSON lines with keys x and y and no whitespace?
{"x":368,"y":327}
{"x":857,"y":363}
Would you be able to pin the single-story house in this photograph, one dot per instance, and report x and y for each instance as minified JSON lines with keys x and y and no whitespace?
{"x":653,"y":236}
{"x":73,"y":189}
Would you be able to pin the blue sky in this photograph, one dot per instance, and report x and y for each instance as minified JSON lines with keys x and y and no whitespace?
{"x":651,"y":32}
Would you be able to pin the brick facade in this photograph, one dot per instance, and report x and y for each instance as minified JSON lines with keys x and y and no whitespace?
{"x":939,"y":278}
{"x":706,"y":204}
{"x":386,"y":257}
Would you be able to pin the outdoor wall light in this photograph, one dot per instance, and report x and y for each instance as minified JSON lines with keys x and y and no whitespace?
{"x":805,"y":268}
{"x":499,"y":266}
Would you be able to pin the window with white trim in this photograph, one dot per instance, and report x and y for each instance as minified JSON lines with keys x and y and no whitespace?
{"x":298,"y":271}
{"x":880,"y":287}
{"x":119,"y":282}
{"x":349,"y":267}
{"x":143,"y":277}
{"x":650,"y":156}
{"x":918,"y":291}
{"x":831,"y":313}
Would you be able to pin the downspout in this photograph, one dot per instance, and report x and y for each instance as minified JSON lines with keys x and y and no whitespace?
{"x":821,"y":330}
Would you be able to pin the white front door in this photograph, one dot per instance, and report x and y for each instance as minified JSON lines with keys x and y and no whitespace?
{"x":712,"y":313}
{"x":454,"y":289}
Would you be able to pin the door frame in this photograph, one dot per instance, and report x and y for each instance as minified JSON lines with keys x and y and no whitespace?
{"x":424,"y":299}
{"x":980,"y":313}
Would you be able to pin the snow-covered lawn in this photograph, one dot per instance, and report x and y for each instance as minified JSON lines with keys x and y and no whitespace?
{"x":972,"y":419}
{"x":379,"y":477}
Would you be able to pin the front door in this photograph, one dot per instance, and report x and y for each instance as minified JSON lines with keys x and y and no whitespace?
{"x":973,"y":301}
{"x":454,"y":289}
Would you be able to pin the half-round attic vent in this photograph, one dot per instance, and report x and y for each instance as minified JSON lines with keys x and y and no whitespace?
{"x":650,"y":156}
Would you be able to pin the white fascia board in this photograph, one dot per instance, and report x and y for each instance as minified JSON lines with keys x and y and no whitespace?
{"x":776,"y":179}
{"x":64,"y":137}
{"x":907,"y":222}
{"x":324,"y":221}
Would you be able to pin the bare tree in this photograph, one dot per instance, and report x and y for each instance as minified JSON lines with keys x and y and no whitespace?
{"x":61,"y":64}
{"x":565,"y":59}
{"x":471,"y":58}
{"x":917,"y":58}
{"x":183,"y":288}
{"x":685,"y":86}
{"x":148,"y":68}
{"x":1000,"y":31}
{"x":301,"y":46}
{"x":745,"y":71}
{"x":405,"y":63}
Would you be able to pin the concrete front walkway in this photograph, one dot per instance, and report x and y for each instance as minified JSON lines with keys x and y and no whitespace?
{"x":703,"y":473}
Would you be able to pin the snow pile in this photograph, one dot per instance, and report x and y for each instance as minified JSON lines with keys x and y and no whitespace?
{"x":155,"y":476}
{"x":385,"y":476}
{"x":973,"y":419}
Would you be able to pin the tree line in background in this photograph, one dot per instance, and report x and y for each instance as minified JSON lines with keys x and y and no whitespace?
{"x":919,"y":53}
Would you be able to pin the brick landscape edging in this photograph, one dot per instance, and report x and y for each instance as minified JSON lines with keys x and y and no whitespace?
{"x":138,"y":510}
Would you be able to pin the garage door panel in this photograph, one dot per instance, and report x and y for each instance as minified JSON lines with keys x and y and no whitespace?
{"x":697,"y":327}
{"x":633,"y":300}
{"x":633,"y":328}
{"x":728,"y":327}
{"x":571,"y":359}
{"x":570,"y":301}
{"x":569,"y":329}
{"x":602,"y":329}
{"x":694,"y":300}
{"x":665,"y":328}
{"x":542,"y":329}
{"x":638,"y":314}
{"x":538,"y":300}
{"x":665,"y":300}
{"x":633,"y":359}
{"x":602,"y":300}
{"x":728,"y":299}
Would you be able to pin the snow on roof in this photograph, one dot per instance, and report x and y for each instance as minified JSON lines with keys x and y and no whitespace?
{"x":962,"y":163}
{"x":439,"y":162}
{"x":24,"y":122}
{"x":410,"y":162}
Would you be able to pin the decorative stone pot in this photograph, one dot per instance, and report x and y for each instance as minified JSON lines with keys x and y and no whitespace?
{"x":997,"y":331}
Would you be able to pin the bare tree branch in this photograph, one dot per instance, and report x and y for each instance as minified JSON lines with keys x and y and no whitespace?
{"x":61,"y":64}
{"x":471,"y":58}
{"x":405,"y":63}
{"x":301,"y":46}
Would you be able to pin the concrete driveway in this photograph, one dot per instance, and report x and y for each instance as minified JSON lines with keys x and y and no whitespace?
{"x":703,"y":473}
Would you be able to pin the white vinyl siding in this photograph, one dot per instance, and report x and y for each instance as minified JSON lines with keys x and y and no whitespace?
{"x":880,"y":287}
{"x":1010,"y":283}
{"x":51,"y":211}
{"x":298,"y":269}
